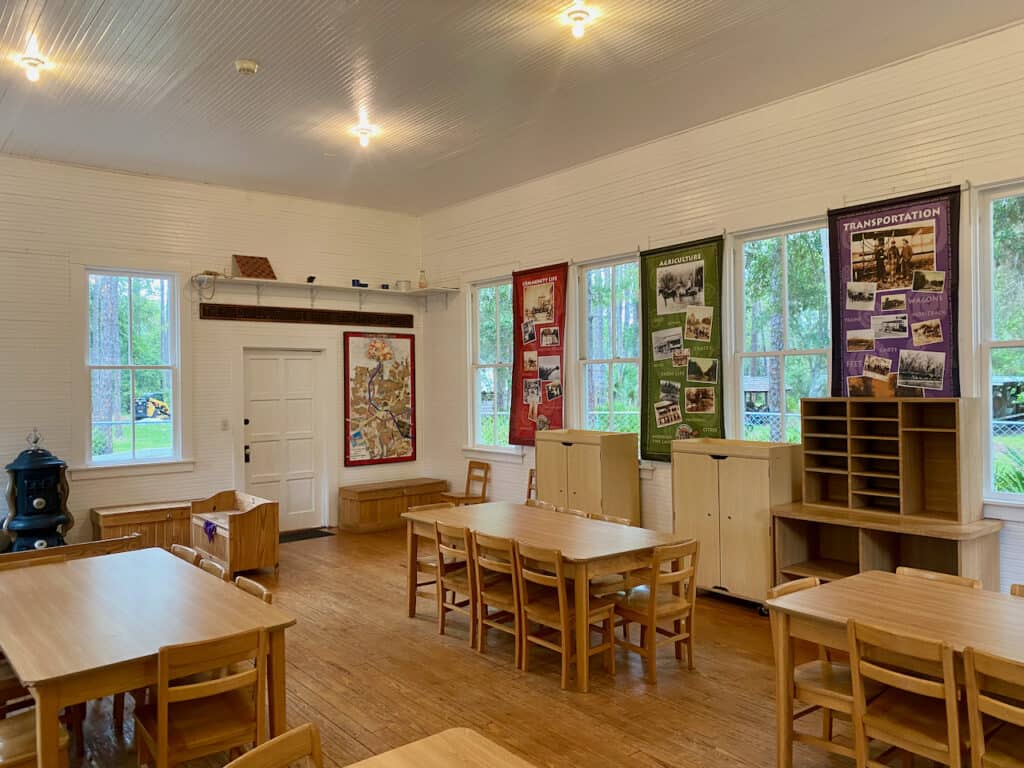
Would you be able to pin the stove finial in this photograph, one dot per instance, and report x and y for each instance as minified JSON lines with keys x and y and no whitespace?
{"x":34,"y":439}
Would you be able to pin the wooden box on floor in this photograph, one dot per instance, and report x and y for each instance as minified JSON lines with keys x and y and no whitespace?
{"x":590,"y":471}
{"x":888,"y":482}
{"x":722,"y":495}
{"x":244,"y":531}
{"x":160,"y":525}
{"x":379,"y":506}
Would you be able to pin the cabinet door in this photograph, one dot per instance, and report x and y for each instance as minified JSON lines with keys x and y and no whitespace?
{"x":551,"y":472}
{"x":695,"y":507}
{"x":746,"y":527}
{"x":585,"y":477}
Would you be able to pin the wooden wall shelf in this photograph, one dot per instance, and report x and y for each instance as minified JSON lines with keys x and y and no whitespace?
{"x":315,"y":289}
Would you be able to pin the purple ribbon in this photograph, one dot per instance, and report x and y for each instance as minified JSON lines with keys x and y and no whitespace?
{"x":210,"y":529}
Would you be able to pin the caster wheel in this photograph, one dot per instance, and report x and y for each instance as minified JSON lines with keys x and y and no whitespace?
{"x":762,"y":611}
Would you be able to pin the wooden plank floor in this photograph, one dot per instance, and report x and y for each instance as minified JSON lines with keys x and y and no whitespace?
{"x":374,"y":679}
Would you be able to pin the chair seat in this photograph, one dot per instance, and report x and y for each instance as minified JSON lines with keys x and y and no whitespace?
{"x":194,"y":726}
{"x":457,"y":580}
{"x":919,"y":719}
{"x":1005,"y":749}
{"x":544,"y":610}
{"x":498,"y":593}
{"x":831,"y":679}
{"x":465,"y":498}
{"x":636,"y":602}
{"x":10,"y":686}
{"x":604,"y":586}
{"x":18,"y":739}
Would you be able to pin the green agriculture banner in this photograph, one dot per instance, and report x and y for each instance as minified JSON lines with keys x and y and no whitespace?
{"x":681,"y":304}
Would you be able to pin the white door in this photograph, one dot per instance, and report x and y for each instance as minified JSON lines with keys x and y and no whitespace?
{"x":283,"y":450}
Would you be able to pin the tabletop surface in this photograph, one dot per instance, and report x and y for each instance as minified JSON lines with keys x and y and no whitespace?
{"x":960,"y":616}
{"x":455,"y":747}
{"x":65,"y":618}
{"x":578,"y":538}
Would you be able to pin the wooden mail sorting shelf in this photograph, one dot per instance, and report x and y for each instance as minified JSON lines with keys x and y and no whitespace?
{"x":160,"y":524}
{"x":379,"y":506}
{"x":242,"y":534}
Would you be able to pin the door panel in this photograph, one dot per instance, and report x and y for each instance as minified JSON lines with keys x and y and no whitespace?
{"x":584,"y":476}
{"x":746,"y":526}
{"x":551,"y":472}
{"x":695,"y":500}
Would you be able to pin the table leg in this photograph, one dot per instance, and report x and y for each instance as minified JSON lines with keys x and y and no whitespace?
{"x":783,"y":689}
{"x":275,"y":684}
{"x":47,"y":725}
{"x":411,"y":553}
{"x":582,"y":599}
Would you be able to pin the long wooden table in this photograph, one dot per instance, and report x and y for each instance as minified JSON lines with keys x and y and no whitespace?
{"x":455,"y":747}
{"x":89,"y":628}
{"x":960,"y":616}
{"x":589,"y":548}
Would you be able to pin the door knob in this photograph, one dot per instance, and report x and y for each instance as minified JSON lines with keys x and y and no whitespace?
{"x":247,"y":454}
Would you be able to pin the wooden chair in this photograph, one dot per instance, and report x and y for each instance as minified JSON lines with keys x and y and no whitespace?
{"x":18,"y":741}
{"x":298,"y":744}
{"x":28,"y":563}
{"x":13,"y":695}
{"x":496,"y":588}
{"x":455,"y":585}
{"x":72,"y":551}
{"x":917,"y":712}
{"x":194,"y":719}
{"x":478,"y":475}
{"x":669,"y":594}
{"x":237,"y":530}
{"x":610,"y":518}
{"x":1017,"y":590}
{"x":995,"y":691}
{"x":531,"y":485}
{"x":571,"y":511}
{"x":547,"y":601}
{"x":255,"y":589}
{"x":541,"y":505}
{"x":947,"y":578}
{"x":189,"y":555}
{"x":426,"y":564}
{"x":822,"y":684}
{"x":214,"y":569}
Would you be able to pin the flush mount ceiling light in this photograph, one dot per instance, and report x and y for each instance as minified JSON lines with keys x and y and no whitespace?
{"x":246,"y":66}
{"x":579,"y":16}
{"x":32,"y":60}
{"x":365,"y":130}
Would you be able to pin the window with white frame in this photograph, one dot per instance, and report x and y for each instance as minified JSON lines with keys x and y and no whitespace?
{"x":492,"y":362}
{"x":1002,"y":360}
{"x":783,"y":344}
{"x":132,"y":360}
{"x":610,"y":346}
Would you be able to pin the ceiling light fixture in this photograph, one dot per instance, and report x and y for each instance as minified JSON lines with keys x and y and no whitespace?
{"x":246,"y":66}
{"x":365,"y":130}
{"x":579,"y":16}
{"x":32,"y":60}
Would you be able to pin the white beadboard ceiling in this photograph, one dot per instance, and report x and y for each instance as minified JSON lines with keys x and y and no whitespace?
{"x":472,"y":95}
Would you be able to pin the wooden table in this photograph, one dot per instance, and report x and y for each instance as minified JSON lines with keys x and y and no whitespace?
{"x":589,"y":547}
{"x":960,"y":616}
{"x":89,"y":628}
{"x":455,"y":747}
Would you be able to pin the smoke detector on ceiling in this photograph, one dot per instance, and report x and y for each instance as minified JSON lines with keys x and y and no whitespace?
{"x":246,"y":66}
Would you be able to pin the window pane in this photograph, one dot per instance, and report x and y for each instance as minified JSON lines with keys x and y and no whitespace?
{"x":486,"y":402}
{"x":595,"y":398}
{"x":762,"y":295}
{"x":627,"y":310}
{"x":108,"y":320}
{"x":111,"y":392}
{"x":1008,"y":268}
{"x":1008,"y":420}
{"x":154,"y":420}
{"x":806,"y":376}
{"x":487,"y":330}
{"x":599,"y":313}
{"x":503,"y":379}
{"x":504,"y":294}
{"x":807,"y":286}
{"x":151,"y":341}
{"x":626,"y":397}
{"x":762,"y":419}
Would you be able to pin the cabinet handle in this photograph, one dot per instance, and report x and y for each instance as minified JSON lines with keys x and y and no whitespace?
{"x":718,"y":457}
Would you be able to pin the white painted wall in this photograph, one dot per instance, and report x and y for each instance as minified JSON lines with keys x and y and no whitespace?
{"x":943,"y":118}
{"x":52,"y":216}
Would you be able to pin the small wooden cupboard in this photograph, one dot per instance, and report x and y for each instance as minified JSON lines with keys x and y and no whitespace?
{"x":722,"y":495}
{"x":591,"y":471}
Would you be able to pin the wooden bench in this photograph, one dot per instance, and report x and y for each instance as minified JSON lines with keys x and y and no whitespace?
{"x":379,"y":506}
{"x":161,"y":524}
{"x":243,"y":531}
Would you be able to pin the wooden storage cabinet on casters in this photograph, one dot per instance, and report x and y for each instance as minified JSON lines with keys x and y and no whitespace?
{"x":160,"y":525}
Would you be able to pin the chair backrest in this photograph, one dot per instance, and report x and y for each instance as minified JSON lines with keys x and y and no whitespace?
{"x":789,"y":587}
{"x":531,"y":485}
{"x":214,"y":569}
{"x":301,"y":743}
{"x":10,"y":566}
{"x":493,"y":554}
{"x":539,"y":569}
{"x":674,"y":567}
{"x":946,"y":578}
{"x":477,"y":473}
{"x":127,"y":543}
{"x":452,"y":545}
{"x":1017,"y":590}
{"x":995,"y":689}
{"x":610,"y":518}
{"x":255,"y":589}
{"x":428,"y":507}
{"x":176,"y":662}
{"x":542,"y":505}
{"x":571,"y":511}
{"x":189,"y":555}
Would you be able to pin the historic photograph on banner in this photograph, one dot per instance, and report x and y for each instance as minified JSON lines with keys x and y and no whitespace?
{"x":531,"y":390}
{"x":530,"y":361}
{"x":529,"y":332}
{"x":700,"y":399}
{"x":877,"y":367}
{"x":889,"y":326}
{"x":861,"y":340}
{"x":927,"y":332}
{"x":698,"y":323}
{"x":550,"y":367}
{"x":681,"y":358}
{"x":894,"y":302}
{"x":921,"y":369}
{"x":680,"y":286}
{"x":861,"y":296}
{"x":890,"y":256}
{"x":929,"y":281}
{"x":667,"y":413}
{"x":539,"y":302}
{"x":665,"y":342}
{"x":670,"y":390}
{"x":703,"y":370}
{"x":553,"y":389}
{"x":550,"y":337}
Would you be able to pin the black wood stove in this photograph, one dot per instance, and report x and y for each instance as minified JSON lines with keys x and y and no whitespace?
{"x":37,"y":498}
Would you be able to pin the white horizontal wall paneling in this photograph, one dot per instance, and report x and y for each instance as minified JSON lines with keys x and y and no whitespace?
{"x":951,"y":115}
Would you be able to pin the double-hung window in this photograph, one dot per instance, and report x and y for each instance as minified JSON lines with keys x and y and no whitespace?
{"x":610,"y":345}
{"x":492,"y":362}
{"x":783,"y":344}
{"x":133,"y":370}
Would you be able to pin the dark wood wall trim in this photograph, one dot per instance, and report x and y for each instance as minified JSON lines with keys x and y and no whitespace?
{"x":259,"y":313}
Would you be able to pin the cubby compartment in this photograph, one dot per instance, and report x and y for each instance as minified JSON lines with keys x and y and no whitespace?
{"x":929,"y":416}
{"x":887,"y":550}
{"x":806,"y":548}
{"x":826,"y":446}
{"x":931,"y":475}
{"x":831,"y":408}
{"x":823,"y":427}
{"x":879,"y":467}
{"x":881,"y":429}
{"x":874,"y":410}
{"x":875,"y":494}
{"x":827,"y":489}
{"x":875,"y":447}
{"x":825,"y":463}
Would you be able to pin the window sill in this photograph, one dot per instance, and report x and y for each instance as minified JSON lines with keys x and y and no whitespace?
{"x":1010,"y":511}
{"x":142,"y":469}
{"x":512,"y":454}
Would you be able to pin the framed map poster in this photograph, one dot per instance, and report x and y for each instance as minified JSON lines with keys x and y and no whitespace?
{"x":380,"y":398}
{"x":681,"y":370}
{"x":894,"y":268}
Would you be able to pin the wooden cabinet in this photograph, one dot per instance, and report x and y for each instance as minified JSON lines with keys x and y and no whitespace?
{"x":722,"y":495}
{"x":379,"y":506}
{"x":160,"y":524}
{"x":591,"y":471}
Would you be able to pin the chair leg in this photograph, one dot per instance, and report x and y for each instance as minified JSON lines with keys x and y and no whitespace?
{"x":526,"y":646}
{"x":118,"y":711}
{"x":908,"y":759}
{"x":481,"y":629}
{"x":650,"y":643}
{"x":689,"y":653}
{"x":826,"y":724}
{"x":567,"y":646}
{"x":440,"y":607}
{"x":516,"y":627}
{"x":625,"y":631}
{"x":609,"y":637}
{"x":677,"y":628}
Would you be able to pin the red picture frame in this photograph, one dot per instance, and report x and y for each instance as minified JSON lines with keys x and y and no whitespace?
{"x":380,"y":398}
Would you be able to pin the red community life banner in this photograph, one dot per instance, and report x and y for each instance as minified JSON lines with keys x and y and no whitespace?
{"x":538,"y":363}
